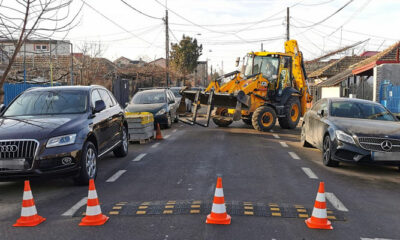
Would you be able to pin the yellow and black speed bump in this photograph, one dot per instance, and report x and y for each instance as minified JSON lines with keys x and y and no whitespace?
{"x":196,"y":207}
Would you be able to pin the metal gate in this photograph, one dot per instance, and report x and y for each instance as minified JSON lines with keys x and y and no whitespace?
{"x":120,"y":89}
{"x":389,"y":96}
{"x":11,"y":90}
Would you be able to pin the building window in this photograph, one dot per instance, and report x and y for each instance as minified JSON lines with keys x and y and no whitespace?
{"x":41,"y":47}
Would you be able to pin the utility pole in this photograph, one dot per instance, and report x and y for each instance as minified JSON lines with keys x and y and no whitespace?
{"x":166,"y":48}
{"x":287,"y":24}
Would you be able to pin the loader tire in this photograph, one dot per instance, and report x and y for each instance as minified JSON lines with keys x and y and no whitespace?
{"x":264,"y":118}
{"x":222,"y":122}
{"x":292,"y":114}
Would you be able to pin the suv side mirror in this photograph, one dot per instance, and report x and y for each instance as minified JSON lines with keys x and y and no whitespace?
{"x":99,"y":106}
{"x":2,"y":108}
{"x":172,"y":101}
{"x":321,"y":113}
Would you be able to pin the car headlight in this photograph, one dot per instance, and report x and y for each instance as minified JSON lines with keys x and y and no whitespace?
{"x":344,"y":137}
{"x":162,"y":111}
{"x":61,"y":141}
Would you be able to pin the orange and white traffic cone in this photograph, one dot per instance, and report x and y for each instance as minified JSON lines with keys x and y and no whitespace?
{"x":218,"y":212}
{"x":93,"y":217}
{"x":29,"y":216}
{"x":158,"y":133}
{"x":319,"y":218}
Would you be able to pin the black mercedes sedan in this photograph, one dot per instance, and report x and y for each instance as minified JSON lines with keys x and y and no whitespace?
{"x":352,"y":130}
{"x":60,"y":131}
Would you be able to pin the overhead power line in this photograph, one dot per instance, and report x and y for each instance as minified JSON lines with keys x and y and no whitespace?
{"x":333,"y":14}
{"x":147,"y":15}
{"x":113,"y":22}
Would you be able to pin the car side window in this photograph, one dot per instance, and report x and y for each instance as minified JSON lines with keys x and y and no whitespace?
{"x":112,"y":98}
{"x":170,"y":96}
{"x":106,"y":98}
{"x":95,"y":97}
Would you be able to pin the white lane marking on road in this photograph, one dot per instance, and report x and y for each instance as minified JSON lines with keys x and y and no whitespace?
{"x":155,"y":145}
{"x":114,"y":177}
{"x":294,"y":155}
{"x":271,"y":130}
{"x":139,"y":157}
{"x":180,"y":181}
{"x":167,"y":136}
{"x":275,"y":135}
{"x":283,"y":144}
{"x":362,"y":238}
{"x":309,"y":173}
{"x":174,"y":131}
{"x":70,"y":212}
{"x":336,"y":202}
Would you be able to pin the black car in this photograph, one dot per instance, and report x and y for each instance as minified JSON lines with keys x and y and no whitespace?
{"x":160,"y":102}
{"x":60,"y":131}
{"x":352,"y":130}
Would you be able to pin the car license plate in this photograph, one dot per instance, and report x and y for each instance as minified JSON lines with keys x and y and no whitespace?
{"x":14,"y":164}
{"x":386,"y":156}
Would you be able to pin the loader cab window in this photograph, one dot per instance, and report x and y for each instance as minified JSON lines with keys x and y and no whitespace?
{"x":267,"y":65}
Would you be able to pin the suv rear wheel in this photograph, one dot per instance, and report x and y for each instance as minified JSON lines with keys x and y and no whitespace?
{"x":88,"y":164}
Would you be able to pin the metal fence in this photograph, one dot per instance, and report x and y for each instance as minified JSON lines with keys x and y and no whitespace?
{"x":11,"y":90}
{"x":390,"y":96}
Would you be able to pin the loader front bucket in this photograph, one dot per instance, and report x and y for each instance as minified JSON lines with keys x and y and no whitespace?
{"x":218,"y":100}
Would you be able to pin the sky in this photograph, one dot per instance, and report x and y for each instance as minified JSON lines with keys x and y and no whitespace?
{"x":228,"y":29}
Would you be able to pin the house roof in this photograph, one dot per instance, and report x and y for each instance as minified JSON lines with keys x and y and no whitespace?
{"x":53,"y":41}
{"x":336,"y":67}
{"x":335,"y":79}
{"x":389,"y":55}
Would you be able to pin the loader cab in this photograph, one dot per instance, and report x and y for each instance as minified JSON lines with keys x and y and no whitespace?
{"x":268,"y":65}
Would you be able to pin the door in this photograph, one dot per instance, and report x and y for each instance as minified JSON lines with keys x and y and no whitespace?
{"x":100,"y":123}
{"x":113,"y":116}
{"x":319,"y":124}
{"x":171,"y":104}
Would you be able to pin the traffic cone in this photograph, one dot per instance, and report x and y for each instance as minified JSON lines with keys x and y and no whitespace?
{"x":93,"y":217}
{"x":319,"y":218}
{"x":29,"y":216}
{"x":158,"y":133}
{"x":218,"y":212}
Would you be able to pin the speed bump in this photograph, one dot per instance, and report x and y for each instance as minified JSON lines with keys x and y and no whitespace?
{"x":197,"y":207}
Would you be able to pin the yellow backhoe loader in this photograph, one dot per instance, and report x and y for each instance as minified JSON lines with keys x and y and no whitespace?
{"x":272,"y":86}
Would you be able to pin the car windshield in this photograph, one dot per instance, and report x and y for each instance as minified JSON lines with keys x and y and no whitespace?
{"x":175,"y":91}
{"x":360,"y":110}
{"x":48,"y":103}
{"x":149,"y":97}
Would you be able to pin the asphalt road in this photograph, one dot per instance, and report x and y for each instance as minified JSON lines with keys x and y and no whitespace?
{"x":270,"y":184}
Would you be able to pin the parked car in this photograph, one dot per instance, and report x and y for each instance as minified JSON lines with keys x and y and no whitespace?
{"x":175,"y":91}
{"x":352,"y":130}
{"x":160,"y":102}
{"x":60,"y":131}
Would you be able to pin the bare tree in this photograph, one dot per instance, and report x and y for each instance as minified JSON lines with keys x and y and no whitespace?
{"x":91,"y":65}
{"x":21,"y":20}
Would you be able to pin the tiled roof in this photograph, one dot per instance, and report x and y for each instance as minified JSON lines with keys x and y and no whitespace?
{"x":336,"y":67}
{"x":389,"y":54}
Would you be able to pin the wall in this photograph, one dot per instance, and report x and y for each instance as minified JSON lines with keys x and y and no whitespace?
{"x":60,"y":48}
{"x":328,"y":92}
{"x":389,"y":72}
